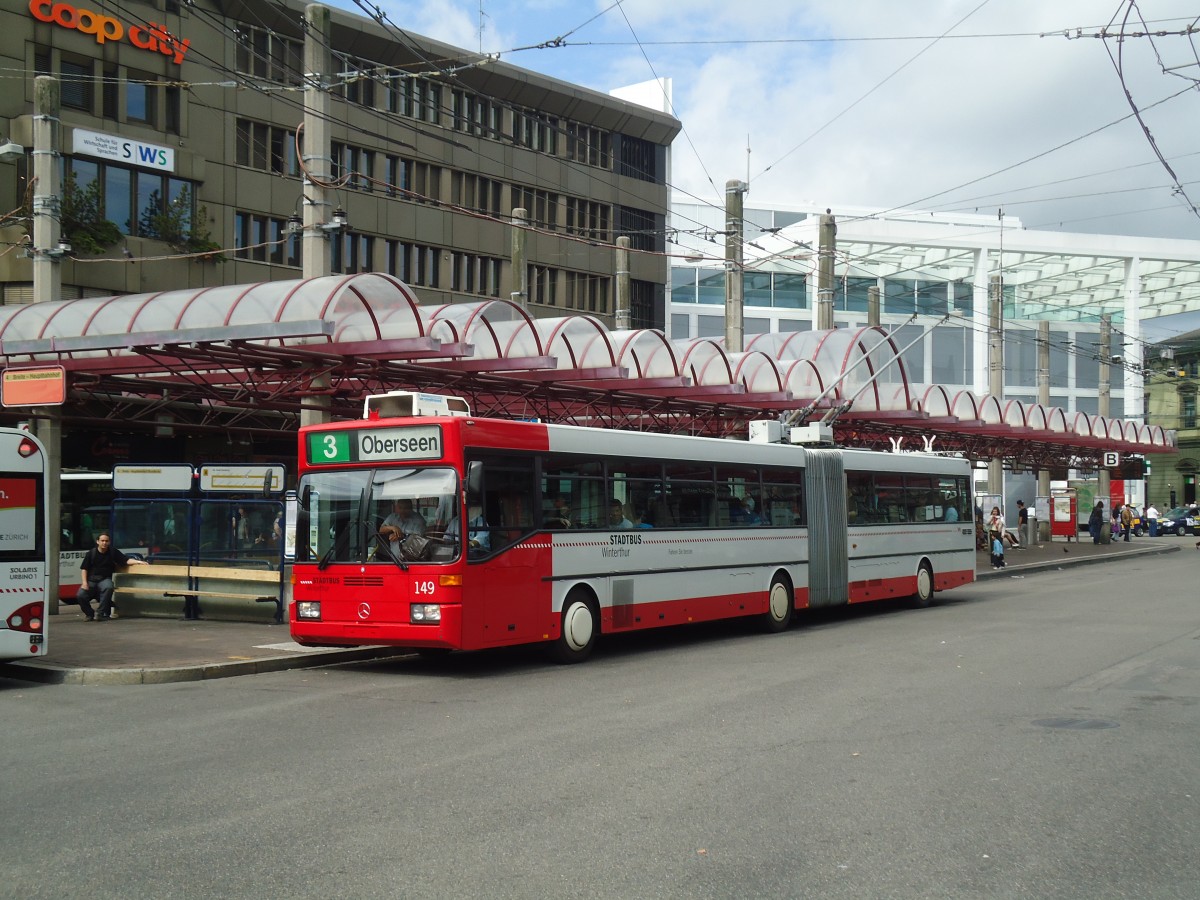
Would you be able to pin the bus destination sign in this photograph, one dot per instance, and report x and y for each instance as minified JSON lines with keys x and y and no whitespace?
{"x":407,"y":442}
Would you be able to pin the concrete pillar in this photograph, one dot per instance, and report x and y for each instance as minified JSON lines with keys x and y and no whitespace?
{"x":1043,"y":383}
{"x":873,"y":305}
{"x":1104,"y":402}
{"x":826,"y":247}
{"x":735,"y":270}
{"x":318,"y":209}
{"x":622,"y":314}
{"x":47,"y":191}
{"x":996,"y":369}
{"x":520,"y":261}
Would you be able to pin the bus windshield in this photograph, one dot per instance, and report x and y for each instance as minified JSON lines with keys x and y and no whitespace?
{"x":363,"y":515}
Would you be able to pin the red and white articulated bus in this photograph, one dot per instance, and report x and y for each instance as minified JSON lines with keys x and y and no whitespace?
{"x":573,"y":532}
{"x":24,"y":564}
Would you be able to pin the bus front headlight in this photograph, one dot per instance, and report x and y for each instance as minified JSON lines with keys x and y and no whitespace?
{"x":425,"y":613}
{"x":308,"y":609}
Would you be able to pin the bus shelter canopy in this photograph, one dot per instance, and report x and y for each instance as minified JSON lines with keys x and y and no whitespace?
{"x":254,"y":356}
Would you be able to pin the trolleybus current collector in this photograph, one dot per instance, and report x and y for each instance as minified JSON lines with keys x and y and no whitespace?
{"x":528,"y":532}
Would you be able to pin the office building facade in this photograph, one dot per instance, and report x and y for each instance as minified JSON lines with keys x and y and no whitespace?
{"x":183,"y":156}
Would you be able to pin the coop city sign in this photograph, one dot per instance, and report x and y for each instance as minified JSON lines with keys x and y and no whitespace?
{"x":152,"y":36}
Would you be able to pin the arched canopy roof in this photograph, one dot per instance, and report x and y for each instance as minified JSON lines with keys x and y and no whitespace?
{"x":342,"y":321}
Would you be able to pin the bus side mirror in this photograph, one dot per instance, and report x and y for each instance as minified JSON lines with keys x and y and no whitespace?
{"x":474,"y":482}
{"x":306,"y":497}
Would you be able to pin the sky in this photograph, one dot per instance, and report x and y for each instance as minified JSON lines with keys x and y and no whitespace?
{"x":980,"y":106}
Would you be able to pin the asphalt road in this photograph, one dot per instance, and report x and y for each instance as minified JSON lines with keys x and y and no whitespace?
{"x":1034,"y":737}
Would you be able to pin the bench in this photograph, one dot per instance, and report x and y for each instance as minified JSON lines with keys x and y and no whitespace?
{"x":142,"y":590}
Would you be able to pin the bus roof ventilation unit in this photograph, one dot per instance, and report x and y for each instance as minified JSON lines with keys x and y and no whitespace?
{"x":407,"y":404}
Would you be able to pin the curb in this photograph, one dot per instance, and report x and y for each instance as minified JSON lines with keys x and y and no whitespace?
{"x":48,"y":673}
{"x":1048,"y":565}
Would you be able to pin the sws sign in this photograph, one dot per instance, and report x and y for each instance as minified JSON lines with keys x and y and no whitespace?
{"x":153,"y":37}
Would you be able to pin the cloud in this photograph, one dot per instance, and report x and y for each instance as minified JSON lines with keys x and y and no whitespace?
{"x":970,"y":121}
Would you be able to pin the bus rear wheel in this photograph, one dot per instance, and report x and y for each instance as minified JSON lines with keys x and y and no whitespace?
{"x":924,"y":595}
{"x":578,"y":634}
{"x":779,"y":606}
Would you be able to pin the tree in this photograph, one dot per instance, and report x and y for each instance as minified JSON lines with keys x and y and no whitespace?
{"x":83,"y":222}
{"x":174,"y":223}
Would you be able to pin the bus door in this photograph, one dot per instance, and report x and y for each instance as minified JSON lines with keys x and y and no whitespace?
{"x":510,"y":601}
{"x":828,"y":546}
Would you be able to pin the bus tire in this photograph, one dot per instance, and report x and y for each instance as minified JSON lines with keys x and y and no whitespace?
{"x":779,"y":606}
{"x":924,"y":595}
{"x":580,"y":625}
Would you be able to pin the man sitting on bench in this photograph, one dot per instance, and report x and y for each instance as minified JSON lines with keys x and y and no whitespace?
{"x":97,"y":570}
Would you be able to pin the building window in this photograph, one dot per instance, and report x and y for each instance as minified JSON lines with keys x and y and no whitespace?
{"x":638,"y":159}
{"x":472,"y":114}
{"x":644,"y":229}
{"x":474,"y":192}
{"x":174,"y":109}
{"x":535,"y":131}
{"x":418,"y":99}
{"x":588,"y":218}
{"x":266,"y":148}
{"x":267,"y":55}
{"x":77,"y":89}
{"x":420,"y":181}
{"x":110,"y":93}
{"x":542,"y":285}
{"x":141,"y":99}
{"x":471,"y":274}
{"x":353,"y":166}
{"x":414,"y":264}
{"x":540,"y":206}
{"x":592,"y":146}
{"x":352,"y":252}
{"x":358,"y":82}
{"x":265,"y":239}
{"x":642,"y":295}
{"x":587,"y":292}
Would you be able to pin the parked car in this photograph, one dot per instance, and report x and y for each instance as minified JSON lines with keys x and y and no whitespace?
{"x":1181,"y":520}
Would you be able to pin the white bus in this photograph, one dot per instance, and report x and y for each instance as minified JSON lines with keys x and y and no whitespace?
{"x":572,"y":532}
{"x":24,"y":564}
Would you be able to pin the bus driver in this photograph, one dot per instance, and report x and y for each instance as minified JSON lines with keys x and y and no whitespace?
{"x":404,"y":520}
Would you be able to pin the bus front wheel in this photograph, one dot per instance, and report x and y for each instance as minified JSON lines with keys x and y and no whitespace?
{"x":579,"y":628}
{"x":779,"y":606}
{"x":924,"y":595}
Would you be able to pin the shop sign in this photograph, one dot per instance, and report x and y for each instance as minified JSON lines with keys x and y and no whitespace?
{"x":124,"y":150}
{"x":151,"y":36}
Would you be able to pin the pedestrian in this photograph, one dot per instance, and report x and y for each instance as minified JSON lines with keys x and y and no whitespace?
{"x":1096,"y":521}
{"x":997,"y":553}
{"x":96,"y":572}
{"x":1022,"y":521}
{"x":1126,"y":520}
{"x":995,"y":525}
{"x":1152,"y":519}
